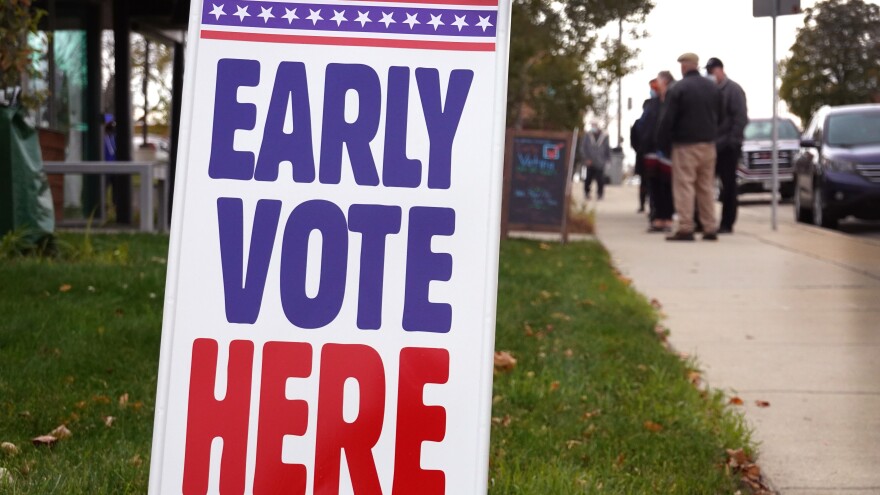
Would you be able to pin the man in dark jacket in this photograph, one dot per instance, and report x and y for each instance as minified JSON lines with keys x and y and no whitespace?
{"x":690,"y":125}
{"x":734,"y":117}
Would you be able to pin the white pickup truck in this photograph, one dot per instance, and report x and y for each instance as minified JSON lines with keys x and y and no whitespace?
{"x":754,"y":173}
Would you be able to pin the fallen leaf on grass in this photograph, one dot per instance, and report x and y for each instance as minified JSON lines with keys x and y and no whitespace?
{"x":101,"y":399}
{"x":694,"y":377}
{"x":544,"y":246}
{"x":573,"y":443}
{"x":505,"y":421}
{"x":591,"y":414}
{"x":504,"y":361}
{"x":656,"y":304}
{"x":123,"y":400}
{"x":737,"y":458}
{"x":108,"y":421}
{"x":762,"y":403}
{"x":603,"y":287}
{"x":588,"y":303}
{"x":44,"y":440}
{"x":5,"y":477}
{"x":9,"y":448}
{"x":528,"y":330}
{"x":61,"y":433}
{"x":750,"y":472}
{"x":735,"y":401}
{"x":546,"y":294}
{"x":661,"y":332}
{"x":653,"y":427}
{"x":561,"y":316}
{"x":554,"y":386}
{"x":568,"y":353}
{"x":136,"y":460}
{"x":65,"y":288}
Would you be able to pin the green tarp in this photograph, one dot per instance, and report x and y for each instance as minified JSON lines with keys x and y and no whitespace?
{"x":25,"y":198}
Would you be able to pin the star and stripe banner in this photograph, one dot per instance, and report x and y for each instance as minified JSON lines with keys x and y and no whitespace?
{"x":464,"y":25}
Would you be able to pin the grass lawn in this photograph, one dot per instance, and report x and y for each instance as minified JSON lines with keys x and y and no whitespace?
{"x":595,"y":404}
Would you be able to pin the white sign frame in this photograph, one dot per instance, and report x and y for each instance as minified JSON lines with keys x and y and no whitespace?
{"x":197,"y":300}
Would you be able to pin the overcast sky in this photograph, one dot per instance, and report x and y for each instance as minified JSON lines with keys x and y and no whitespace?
{"x":711,"y":28}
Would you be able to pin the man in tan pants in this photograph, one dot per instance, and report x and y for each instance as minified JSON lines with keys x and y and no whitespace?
{"x":689,"y":126}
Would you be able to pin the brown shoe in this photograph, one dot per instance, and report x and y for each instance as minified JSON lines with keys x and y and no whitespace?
{"x":681,"y":236}
{"x":711,"y":236}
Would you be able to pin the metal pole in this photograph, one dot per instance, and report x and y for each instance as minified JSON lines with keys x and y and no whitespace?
{"x":51,"y":106}
{"x":144,"y":86}
{"x":620,"y":91}
{"x":775,"y":150}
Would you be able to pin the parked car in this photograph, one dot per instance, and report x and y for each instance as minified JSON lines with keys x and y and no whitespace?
{"x":158,"y":146}
{"x":755,"y":172}
{"x":837,"y":172}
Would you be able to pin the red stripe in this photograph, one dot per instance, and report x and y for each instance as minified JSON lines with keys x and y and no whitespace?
{"x":340,"y":41}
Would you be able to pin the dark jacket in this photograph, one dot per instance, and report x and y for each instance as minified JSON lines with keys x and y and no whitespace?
{"x":734,"y":115}
{"x":646,"y":126}
{"x":693,"y":109}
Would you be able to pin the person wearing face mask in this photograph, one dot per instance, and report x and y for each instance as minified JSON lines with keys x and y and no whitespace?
{"x":734,"y":117}
{"x":597,"y":153}
{"x":637,"y":138}
{"x":658,"y":165}
{"x":689,"y":126}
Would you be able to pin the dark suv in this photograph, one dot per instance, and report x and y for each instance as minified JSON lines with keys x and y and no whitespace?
{"x":755,"y":171}
{"x":837,"y":172}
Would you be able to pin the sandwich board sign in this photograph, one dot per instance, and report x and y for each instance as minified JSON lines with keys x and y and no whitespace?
{"x":330,"y":299}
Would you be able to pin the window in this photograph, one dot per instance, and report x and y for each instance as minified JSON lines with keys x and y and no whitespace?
{"x":762,"y":130}
{"x":854,"y":129}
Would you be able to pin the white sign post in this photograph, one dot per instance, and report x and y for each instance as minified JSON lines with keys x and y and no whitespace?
{"x":330,"y":300}
{"x":774,"y":8}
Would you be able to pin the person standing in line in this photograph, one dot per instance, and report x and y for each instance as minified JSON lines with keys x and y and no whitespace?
{"x":597,"y":153}
{"x":689,"y":125}
{"x":636,"y":139}
{"x":657,"y":161}
{"x":734,"y":117}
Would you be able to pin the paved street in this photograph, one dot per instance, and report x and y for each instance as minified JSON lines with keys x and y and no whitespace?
{"x":758,"y":207}
{"x":789,"y":317}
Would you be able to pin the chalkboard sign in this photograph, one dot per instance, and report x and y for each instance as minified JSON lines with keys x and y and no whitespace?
{"x":537,"y":180}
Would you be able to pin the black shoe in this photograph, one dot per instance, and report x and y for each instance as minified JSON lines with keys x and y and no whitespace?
{"x":681,"y":236}
{"x":641,"y":209}
{"x":725,"y":230}
{"x":710,"y":236}
{"x":653,"y":229}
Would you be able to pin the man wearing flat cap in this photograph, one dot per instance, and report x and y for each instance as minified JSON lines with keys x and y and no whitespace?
{"x":690,"y":125}
{"x":734,"y":117}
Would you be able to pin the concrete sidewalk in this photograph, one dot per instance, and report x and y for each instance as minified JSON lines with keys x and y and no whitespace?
{"x":791,"y":317}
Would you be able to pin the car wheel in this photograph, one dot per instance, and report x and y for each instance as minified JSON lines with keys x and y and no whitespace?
{"x":821,"y":216}
{"x":801,"y":214}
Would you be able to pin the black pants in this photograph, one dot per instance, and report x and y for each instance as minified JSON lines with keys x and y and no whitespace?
{"x":725,"y":169}
{"x":598,"y":175}
{"x":661,"y":197}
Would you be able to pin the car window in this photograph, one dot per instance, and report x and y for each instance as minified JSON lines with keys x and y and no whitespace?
{"x":762,"y":130}
{"x":853,"y":129}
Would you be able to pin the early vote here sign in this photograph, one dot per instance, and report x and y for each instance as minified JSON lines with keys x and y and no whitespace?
{"x":330,"y":303}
